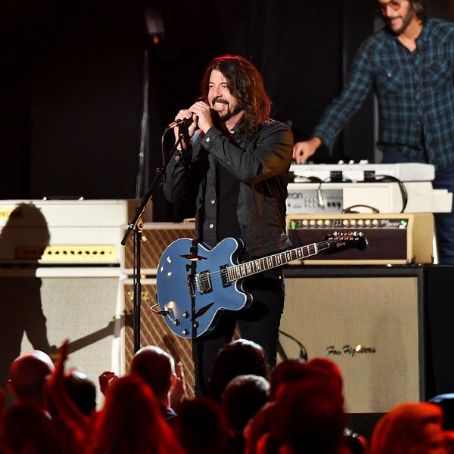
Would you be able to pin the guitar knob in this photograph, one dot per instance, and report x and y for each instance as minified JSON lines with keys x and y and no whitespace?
{"x":185,"y":332}
{"x":195,"y":325}
{"x":185,"y":314}
{"x":176,"y":322}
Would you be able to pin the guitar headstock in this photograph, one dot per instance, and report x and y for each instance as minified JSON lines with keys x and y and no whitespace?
{"x":346,"y":240}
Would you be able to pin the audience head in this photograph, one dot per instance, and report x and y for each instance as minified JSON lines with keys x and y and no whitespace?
{"x":328,"y":366}
{"x":309,"y":417}
{"x":200,"y":426}
{"x":28,"y":375}
{"x":27,"y":429}
{"x":242,"y":399}
{"x":288,"y":371}
{"x":258,"y":427}
{"x":156,"y":368}
{"x":131,"y":421}
{"x":414,"y":427}
{"x":239,"y":357}
{"x":294,"y":370}
{"x":446,"y":403}
{"x":81,"y":390}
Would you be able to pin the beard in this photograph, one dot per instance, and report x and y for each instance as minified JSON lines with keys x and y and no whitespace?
{"x":228,"y":113}
{"x":406,"y":21}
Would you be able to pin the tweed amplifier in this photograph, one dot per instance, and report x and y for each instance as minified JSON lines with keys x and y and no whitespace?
{"x":156,"y":236}
{"x":392,"y":238}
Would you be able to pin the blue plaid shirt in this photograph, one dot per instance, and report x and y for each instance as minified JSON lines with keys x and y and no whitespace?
{"x":415,"y":94}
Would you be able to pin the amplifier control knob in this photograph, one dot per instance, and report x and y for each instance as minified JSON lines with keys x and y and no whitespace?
{"x":375,"y":222}
{"x":345,"y":222}
{"x":320,"y":222}
{"x":312,"y":222}
{"x":327,"y":222}
{"x":360,"y":222}
{"x":367,"y":221}
{"x":305,"y":222}
{"x":353,"y":222}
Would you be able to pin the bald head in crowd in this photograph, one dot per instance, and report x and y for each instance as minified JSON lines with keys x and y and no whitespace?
{"x":157,"y":368}
{"x":28,"y":375}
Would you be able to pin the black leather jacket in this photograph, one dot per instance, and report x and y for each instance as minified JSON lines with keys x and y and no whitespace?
{"x":261,"y":164}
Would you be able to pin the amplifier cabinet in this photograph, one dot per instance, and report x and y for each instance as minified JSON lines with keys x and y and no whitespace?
{"x":156,"y":236}
{"x":42,"y":307}
{"x":392,"y":238}
{"x":64,"y":232}
{"x":369,"y":321}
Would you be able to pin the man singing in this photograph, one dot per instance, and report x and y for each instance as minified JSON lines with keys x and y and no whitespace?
{"x":231,"y":169}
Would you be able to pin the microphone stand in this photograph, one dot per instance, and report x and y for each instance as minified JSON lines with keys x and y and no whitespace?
{"x":135,"y":225}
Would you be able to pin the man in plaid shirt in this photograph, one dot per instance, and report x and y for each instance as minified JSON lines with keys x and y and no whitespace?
{"x":410,"y":66}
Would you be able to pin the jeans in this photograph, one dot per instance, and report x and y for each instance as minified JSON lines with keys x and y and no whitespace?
{"x":444,"y":222}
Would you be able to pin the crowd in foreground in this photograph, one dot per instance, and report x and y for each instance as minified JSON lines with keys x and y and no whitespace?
{"x":296,"y":408}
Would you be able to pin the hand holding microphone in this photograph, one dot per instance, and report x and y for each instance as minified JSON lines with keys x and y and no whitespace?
{"x":202,"y":112}
{"x":180,"y":122}
{"x":198,"y":116}
{"x":184,"y":125}
{"x":199,"y":113}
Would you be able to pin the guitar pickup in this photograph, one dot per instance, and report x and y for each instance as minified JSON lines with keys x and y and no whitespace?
{"x":225,"y":276}
{"x":203,"y":282}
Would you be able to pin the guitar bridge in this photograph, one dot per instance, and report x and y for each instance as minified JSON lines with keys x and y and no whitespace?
{"x":203,"y":282}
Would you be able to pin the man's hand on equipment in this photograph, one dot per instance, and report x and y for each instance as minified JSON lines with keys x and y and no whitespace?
{"x":302,"y":151}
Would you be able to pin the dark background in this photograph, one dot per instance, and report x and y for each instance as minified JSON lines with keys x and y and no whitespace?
{"x":72,"y":81}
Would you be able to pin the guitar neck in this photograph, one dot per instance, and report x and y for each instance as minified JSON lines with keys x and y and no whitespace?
{"x":246,"y":269}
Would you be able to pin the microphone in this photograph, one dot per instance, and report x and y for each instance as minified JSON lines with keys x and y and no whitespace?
{"x":180,"y":122}
{"x":185,"y":121}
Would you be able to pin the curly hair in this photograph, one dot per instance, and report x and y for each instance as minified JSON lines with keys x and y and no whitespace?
{"x":246,"y":85}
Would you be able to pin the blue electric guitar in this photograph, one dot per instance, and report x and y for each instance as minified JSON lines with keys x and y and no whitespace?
{"x":196,"y":283}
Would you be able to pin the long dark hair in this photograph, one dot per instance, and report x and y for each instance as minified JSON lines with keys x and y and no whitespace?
{"x":246,"y":84}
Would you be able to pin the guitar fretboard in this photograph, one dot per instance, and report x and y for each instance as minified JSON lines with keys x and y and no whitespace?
{"x":246,"y":269}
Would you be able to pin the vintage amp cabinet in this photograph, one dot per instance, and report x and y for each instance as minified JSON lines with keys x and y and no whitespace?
{"x":395,"y":238}
{"x":156,"y":236}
